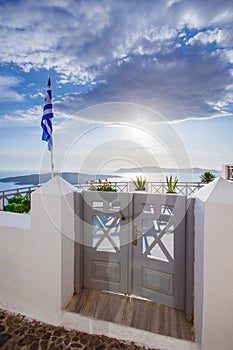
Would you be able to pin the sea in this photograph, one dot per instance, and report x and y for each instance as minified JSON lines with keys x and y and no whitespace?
{"x":12,"y":173}
{"x":114,"y":177}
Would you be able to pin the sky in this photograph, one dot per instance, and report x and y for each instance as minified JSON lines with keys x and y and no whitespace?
{"x":135,"y":83}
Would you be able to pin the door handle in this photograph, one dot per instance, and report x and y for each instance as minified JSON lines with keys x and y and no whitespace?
{"x":135,"y":234}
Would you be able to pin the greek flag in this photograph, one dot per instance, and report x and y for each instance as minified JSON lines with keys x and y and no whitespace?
{"x":46,"y":122}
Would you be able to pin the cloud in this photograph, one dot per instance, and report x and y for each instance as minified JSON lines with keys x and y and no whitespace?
{"x":172,"y":56}
{"x":29,"y":117}
{"x":176,"y":87}
{"x":7,"y":89}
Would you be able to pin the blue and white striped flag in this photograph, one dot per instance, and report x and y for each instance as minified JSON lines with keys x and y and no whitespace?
{"x":46,"y":122}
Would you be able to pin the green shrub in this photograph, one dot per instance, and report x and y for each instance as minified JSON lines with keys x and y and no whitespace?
{"x":18,"y":204}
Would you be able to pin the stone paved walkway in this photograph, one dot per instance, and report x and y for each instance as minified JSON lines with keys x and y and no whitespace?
{"x":20,"y":333}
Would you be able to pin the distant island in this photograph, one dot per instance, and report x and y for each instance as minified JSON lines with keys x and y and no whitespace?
{"x":76,"y":177}
{"x":156,"y":169}
{"x":35,"y":179}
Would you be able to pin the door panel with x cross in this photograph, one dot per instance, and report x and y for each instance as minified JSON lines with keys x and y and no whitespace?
{"x":159,"y":248}
{"x":106,"y":241}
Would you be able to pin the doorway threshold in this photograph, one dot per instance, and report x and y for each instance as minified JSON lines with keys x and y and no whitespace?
{"x":133,"y":312}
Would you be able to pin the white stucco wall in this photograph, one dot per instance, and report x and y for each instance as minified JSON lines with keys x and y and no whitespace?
{"x":35,"y":258}
{"x":214,"y":261}
{"x":198,"y":270}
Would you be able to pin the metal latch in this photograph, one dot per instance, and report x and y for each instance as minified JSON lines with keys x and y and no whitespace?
{"x":135,"y":234}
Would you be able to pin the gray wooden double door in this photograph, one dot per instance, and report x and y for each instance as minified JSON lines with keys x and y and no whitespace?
{"x":134,"y":243}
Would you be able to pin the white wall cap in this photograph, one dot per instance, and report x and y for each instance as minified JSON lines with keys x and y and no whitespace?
{"x":9,"y":219}
{"x":218,"y":191}
{"x":56,"y":186}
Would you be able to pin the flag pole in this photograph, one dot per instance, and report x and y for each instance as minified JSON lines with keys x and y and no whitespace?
{"x":52,"y":164}
{"x":46,"y":123}
{"x":51,"y":150}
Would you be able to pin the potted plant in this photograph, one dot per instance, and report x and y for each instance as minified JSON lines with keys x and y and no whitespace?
{"x":171,"y":184}
{"x":100,"y":185}
{"x":139,"y":183}
{"x":207,"y":177}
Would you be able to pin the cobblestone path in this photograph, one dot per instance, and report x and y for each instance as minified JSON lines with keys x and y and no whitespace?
{"x":17,"y":332}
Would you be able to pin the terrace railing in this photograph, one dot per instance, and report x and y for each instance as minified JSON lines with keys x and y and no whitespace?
{"x":22,"y":191}
{"x":184,"y":188}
